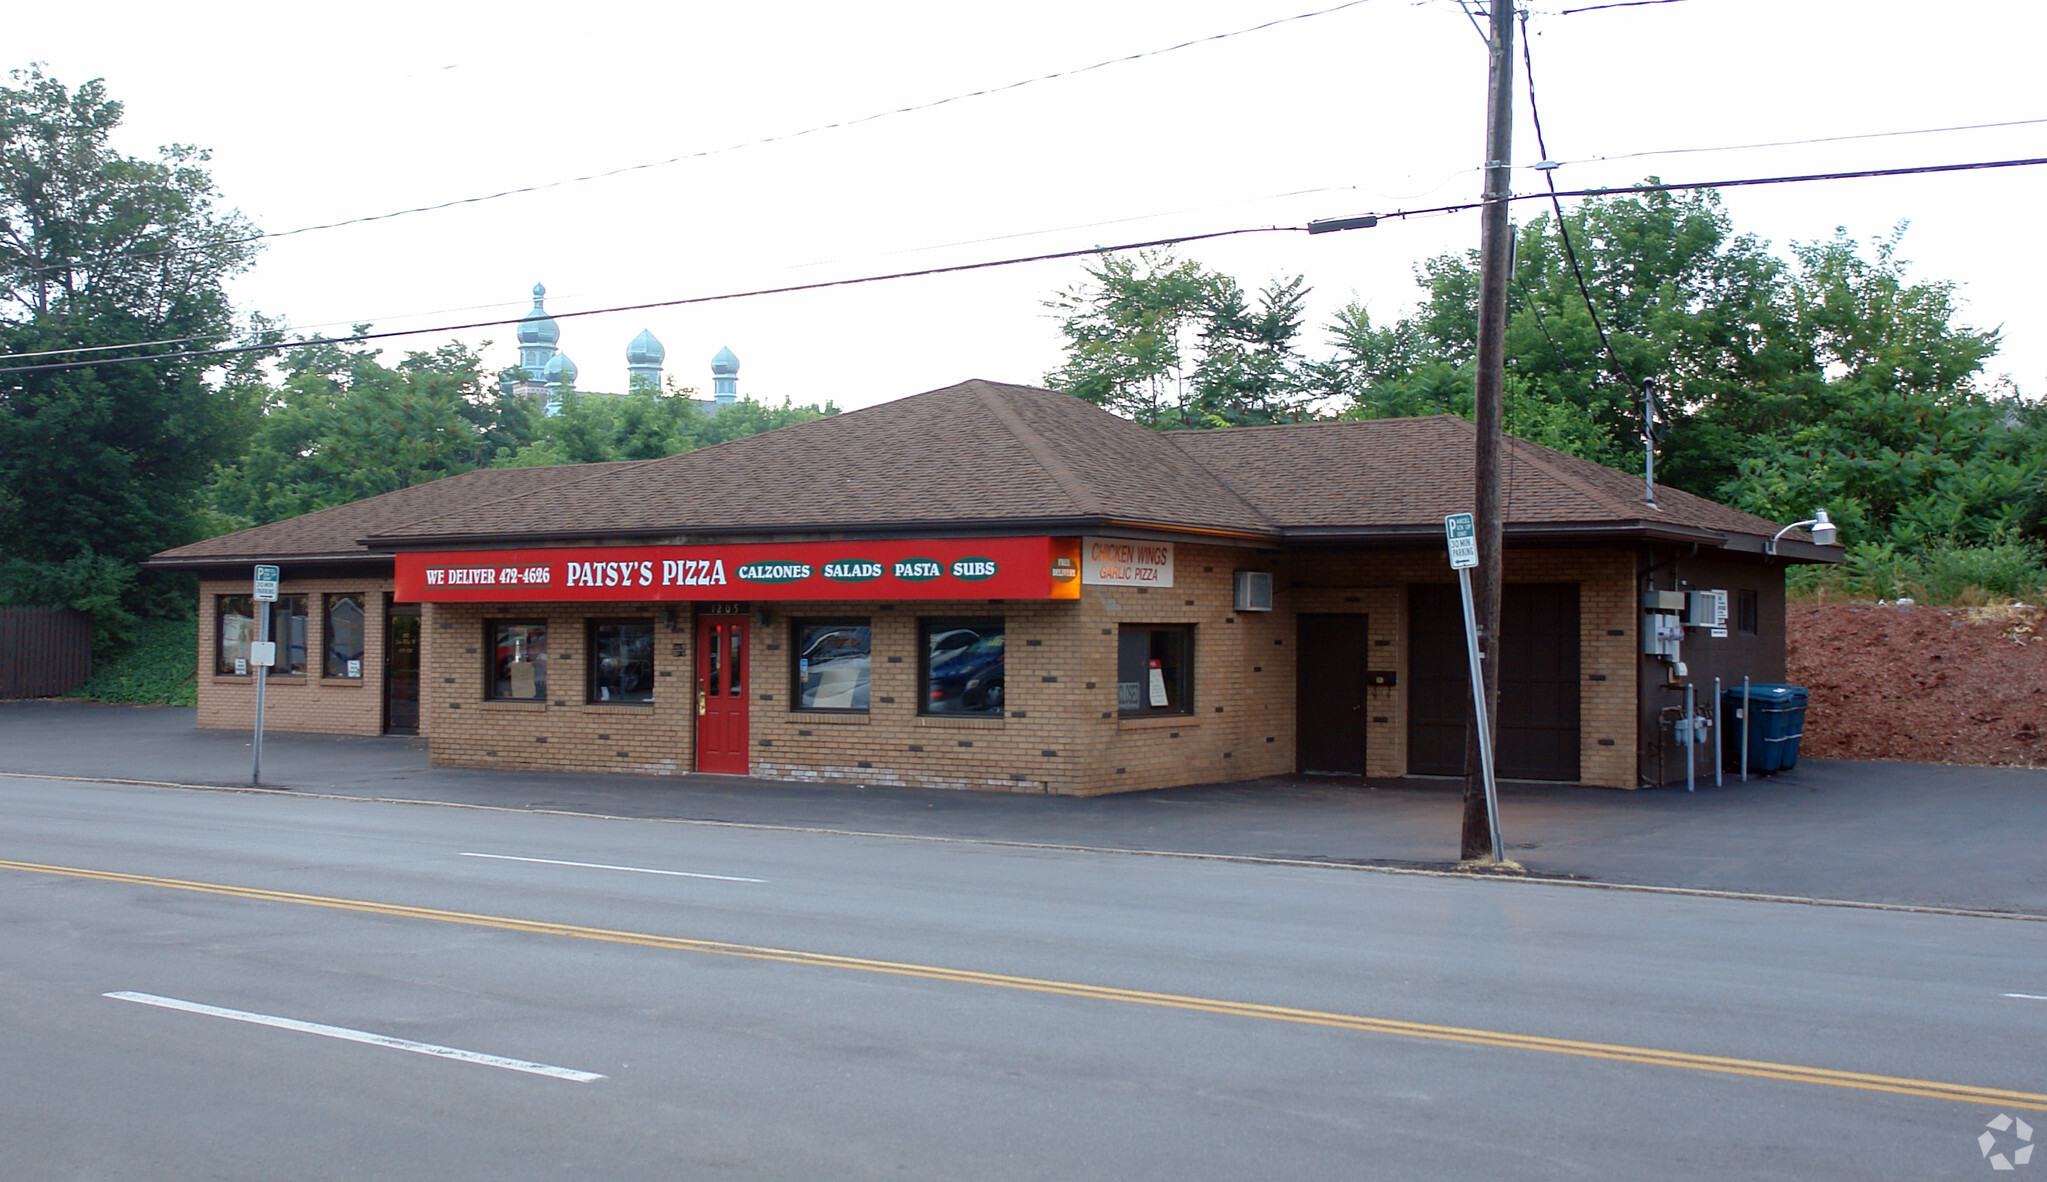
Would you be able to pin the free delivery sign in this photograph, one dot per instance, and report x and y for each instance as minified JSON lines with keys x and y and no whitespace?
{"x":905,"y":569}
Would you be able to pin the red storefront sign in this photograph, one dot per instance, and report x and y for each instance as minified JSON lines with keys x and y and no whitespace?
{"x":940,"y":568}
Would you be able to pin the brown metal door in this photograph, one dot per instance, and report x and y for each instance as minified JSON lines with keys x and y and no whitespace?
{"x":1329,"y":694}
{"x":1539,"y":682}
{"x":1438,"y":697}
{"x":721,"y":694}
{"x":1539,"y":690}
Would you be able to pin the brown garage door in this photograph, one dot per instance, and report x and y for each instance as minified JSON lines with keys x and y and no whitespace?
{"x":1538,"y":681}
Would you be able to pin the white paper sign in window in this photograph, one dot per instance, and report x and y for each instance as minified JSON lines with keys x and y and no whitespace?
{"x":1123,"y":562}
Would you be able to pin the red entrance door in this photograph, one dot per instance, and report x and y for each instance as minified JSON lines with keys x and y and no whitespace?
{"x":721,"y":694}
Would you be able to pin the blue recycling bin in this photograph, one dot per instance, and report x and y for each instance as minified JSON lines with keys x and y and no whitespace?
{"x":1774,"y":716}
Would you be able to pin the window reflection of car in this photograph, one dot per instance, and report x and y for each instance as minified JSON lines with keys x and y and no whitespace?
{"x":837,"y":682}
{"x":631,"y":670}
{"x":944,"y":646}
{"x":836,"y":670}
{"x":835,"y":642}
{"x":970,"y":680}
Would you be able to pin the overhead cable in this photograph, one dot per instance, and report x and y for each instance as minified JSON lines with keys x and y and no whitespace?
{"x":1825,"y":139}
{"x":357,"y":338}
{"x":761,"y":141}
{"x":1359,"y":220}
{"x":1563,"y":230}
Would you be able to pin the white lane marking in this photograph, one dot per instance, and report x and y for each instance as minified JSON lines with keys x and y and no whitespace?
{"x":629,"y":869}
{"x":2029,"y":996}
{"x":361,"y":1036}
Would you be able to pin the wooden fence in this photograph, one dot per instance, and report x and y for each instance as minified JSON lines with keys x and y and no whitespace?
{"x":44,"y":651}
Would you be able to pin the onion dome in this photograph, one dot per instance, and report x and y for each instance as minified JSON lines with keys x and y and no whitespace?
{"x":645,"y":350}
{"x":537,"y":327}
{"x":561,"y":371}
{"x":725,"y":364}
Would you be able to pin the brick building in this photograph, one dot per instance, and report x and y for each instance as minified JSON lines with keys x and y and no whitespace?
{"x":999,"y":587}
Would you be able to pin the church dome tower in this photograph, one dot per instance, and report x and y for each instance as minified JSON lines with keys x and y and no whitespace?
{"x":643,"y":358}
{"x":724,"y":378}
{"x":538,"y":334}
{"x":560,"y":373}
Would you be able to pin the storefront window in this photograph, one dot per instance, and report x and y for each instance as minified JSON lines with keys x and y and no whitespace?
{"x":518,"y":660}
{"x":622,"y":660}
{"x":962,"y":666}
{"x":833,"y":659}
{"x":1155,"y":669}
{"x":344,"y":633}
{"x":237,"y":620}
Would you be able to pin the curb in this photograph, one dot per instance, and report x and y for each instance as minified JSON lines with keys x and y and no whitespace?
{"x":1373,"y":867}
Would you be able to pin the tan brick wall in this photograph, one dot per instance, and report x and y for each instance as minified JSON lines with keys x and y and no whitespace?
{"x":1376,"y":582}
{"x":562,"y":732}
{"x":1060,"y":732}
{"x":322,"y":705}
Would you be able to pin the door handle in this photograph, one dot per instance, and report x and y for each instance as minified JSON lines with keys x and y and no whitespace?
{"x":700,"y":699}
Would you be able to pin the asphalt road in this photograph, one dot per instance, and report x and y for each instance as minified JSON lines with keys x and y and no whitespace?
{"x":777,"y":1004}
{"x":1886,"y":833}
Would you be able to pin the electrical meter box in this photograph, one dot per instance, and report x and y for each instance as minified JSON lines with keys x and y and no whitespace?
{"x":1706,"y":609}
{"x":1662,"y":636}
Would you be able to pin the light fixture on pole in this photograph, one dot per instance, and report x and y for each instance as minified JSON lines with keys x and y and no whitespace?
{"x":1823,"y":531}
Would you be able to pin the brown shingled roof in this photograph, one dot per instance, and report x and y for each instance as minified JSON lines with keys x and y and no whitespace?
{"x":976,"y":454}
{"x":988,"y":455}
{"x":1394,"y":475}
{"x":337,"y":533}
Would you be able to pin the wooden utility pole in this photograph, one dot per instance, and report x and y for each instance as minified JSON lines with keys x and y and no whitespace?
{"x":1495,"y":251}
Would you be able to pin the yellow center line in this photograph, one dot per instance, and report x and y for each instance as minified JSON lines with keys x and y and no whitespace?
{"x":1651,"y":1056}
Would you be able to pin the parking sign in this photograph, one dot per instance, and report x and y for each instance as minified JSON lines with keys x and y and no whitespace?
{"x":1463,"y":535}
{"x":266,"y":584}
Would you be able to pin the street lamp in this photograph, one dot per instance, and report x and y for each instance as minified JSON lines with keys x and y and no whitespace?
{"x":1823,"y":531}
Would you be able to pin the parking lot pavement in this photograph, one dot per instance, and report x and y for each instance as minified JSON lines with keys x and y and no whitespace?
{"x":1899,"y":834}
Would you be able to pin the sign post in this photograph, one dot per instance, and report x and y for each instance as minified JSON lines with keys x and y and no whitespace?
{"x":1462,"y":535}
{"x":261,"y":656}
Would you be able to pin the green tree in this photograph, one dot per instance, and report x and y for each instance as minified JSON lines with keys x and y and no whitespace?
{"x":643,"y":425}
{"x":1124,"y":330}
{"x":1170,"y":343}
{"x":1828,"y":379}
{"x":343,"y":426}
{"x":99,"y":466}
{"x":1251,"y":370}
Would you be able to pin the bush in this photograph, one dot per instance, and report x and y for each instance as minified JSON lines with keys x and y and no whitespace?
{"x":1945,"y":573}
{"x":158,"y":667}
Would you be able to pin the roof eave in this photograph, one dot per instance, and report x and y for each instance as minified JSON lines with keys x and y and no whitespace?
{"x":997,"y":526}
{"x":1788,"y":549}
{"x":198,"y":562}
{"x":1563,"y":531}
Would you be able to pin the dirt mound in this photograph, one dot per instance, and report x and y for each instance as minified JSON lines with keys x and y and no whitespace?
{"x":1963,"y":685}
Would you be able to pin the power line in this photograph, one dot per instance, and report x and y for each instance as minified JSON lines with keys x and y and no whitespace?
{"x":744,"y":144}
{"x":1621,"y":4}
{"x":1564,"y":231}
{"x":1358,"y":221}
{"x":1825,"y":139}
{"x":355,"y":320}
{"x":358,"y":338}
{"x":1737,"y":183}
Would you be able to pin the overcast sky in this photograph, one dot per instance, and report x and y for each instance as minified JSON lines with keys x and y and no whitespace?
{"x":317,"y":113}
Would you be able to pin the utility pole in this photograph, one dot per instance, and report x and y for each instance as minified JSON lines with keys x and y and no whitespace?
{"x":1495,"y":252}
